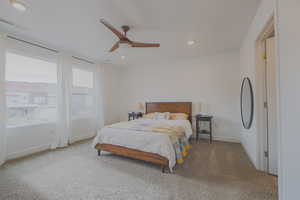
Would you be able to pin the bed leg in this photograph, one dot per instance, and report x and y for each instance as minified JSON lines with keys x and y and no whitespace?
{"x":99,"y":152}
{"x":163,"y":169}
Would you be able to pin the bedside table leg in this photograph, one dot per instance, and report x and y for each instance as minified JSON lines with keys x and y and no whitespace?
{"x":197,"y":130}
{"x":210,"y":127}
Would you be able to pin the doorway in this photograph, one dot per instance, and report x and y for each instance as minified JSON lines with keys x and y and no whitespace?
{"x":271,"y":106}
{"x":267,"y":98}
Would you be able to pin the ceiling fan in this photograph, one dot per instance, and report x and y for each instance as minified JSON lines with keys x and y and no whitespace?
{"x":123,"y":39}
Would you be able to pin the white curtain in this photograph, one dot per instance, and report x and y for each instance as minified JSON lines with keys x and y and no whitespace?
{"x":69,"y":129}
{"x":84,"y":89}
{"x":66,"y":130}
{"x":2,"y":102}
{"x":63,"y":125}
{"x":99,"y":96}
{"x":66,"y":126}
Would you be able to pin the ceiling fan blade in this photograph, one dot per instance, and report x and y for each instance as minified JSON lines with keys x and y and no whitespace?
{"x":140,"y":44}
{"x":114,"y":47}
{"x":110,"y":27}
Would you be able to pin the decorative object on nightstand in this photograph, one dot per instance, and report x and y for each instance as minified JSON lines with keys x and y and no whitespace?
{"x":203,"y":118}
{"x":134,"y":115}
{"x":197,"y":108}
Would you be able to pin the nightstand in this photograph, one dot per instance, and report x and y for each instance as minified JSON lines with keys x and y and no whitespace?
{"x":203,"y":118}
{"x":134,"y":115}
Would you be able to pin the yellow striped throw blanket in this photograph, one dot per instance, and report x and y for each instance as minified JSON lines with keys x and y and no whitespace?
{"x":175,"y":133}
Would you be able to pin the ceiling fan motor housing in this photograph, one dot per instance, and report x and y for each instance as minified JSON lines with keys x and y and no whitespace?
{"x":125,"y":29}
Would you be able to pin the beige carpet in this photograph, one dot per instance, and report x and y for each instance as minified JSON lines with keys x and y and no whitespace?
{"x":211,"y":172}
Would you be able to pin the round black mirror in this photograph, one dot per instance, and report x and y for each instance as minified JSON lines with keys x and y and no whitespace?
{"x":247,"y":104}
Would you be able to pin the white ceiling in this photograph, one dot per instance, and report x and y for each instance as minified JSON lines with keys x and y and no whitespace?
{"x":73,"y":25}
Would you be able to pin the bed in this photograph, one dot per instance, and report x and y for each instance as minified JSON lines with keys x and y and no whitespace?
{"x":146,"y":145}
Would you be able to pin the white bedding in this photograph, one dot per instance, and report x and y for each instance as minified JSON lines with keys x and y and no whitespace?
{"x":158,"y":143}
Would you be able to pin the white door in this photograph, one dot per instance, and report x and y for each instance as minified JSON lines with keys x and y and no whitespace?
{"x":272,"y":105}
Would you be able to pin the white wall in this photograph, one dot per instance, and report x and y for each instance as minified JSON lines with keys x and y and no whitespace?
{"x":249,"y":138}
{"x":212,"y":81}
{"x":289,"y":72}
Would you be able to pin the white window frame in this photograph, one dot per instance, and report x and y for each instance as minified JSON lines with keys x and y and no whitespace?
{"x":27,"y":50}
{"x":76,"y":64}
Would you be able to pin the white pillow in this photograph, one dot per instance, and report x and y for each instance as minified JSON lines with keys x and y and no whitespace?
{"x":165,"y":115}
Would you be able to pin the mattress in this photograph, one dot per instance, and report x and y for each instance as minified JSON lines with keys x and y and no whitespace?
{"x":147,"y":141}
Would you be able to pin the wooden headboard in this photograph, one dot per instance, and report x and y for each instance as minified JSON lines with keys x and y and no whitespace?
{"x":172,"y":107}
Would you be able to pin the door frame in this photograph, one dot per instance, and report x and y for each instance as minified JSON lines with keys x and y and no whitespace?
{"x":269,"y":30}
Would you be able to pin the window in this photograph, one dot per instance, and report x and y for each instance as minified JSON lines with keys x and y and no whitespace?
{"x":82,"y":93}
{"x":31,"y":89}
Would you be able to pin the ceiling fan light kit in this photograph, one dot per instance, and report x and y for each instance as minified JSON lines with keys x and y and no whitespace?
{"x":124,"y":45}
{"x":18,"y":5}
{"x":123,"y":39}
{"x":191,"y":42}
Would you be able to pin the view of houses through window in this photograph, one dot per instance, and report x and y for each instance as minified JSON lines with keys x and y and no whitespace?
{"x":82,"y":93}
{"x":31,"y":90}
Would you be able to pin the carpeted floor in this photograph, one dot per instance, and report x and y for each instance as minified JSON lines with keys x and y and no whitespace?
{"x":211,"y":172}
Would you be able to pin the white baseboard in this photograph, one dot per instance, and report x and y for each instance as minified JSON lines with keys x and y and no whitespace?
{"x":226,"y":139}
{"x":37,"y":149}
{"x":28,"y":151}
{"x":222,"y":138}
{"x":250,"y":158}
{"x":81,"y":137}
{"x":44,"y":147}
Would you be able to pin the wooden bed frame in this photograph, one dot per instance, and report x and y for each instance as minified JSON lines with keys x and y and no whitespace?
{"x":172,"y":107}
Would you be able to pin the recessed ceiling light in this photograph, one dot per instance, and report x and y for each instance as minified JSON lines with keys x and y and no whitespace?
{"x":18,"y":5}
{"x":123,"y":57}
{"x":191,"y":42}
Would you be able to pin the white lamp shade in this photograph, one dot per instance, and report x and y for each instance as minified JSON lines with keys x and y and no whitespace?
{"x":197,"y":107}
